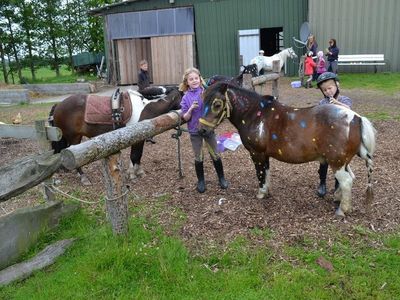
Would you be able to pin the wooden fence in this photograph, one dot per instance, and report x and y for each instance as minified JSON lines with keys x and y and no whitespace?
{"x":30,"y":171}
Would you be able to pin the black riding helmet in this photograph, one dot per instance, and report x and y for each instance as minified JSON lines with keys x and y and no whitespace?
{"x":327,"y":76}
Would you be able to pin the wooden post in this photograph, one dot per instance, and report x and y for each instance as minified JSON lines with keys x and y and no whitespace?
{"x":247,"y":84}
{"x":44,"y":146}
{"x":276,"y":66}
{"x":108,"y":143}
{"x":275,"y":84}
{"x":116,"y":202}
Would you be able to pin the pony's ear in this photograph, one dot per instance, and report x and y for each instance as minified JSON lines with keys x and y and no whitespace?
{"x":223,"y":87}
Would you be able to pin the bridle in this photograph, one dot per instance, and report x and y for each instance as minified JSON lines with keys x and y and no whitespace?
{"x":226,"y":112}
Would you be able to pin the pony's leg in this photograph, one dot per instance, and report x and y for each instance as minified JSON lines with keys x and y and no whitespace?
{"x":263,"y":176}
{"x":322,"y":171}
{"x":343,"y":194}
{"x":135,"y":169}
{"x":84,"y":179}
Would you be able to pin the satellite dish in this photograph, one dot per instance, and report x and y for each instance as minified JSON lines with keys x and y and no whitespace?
{"x":304,"y":31}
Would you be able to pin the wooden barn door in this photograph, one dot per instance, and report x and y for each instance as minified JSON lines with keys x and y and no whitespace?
{"x":171,"y":56}
{"x":129,"y":53}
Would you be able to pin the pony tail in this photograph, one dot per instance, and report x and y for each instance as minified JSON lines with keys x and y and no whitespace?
{"x":367,"y":149}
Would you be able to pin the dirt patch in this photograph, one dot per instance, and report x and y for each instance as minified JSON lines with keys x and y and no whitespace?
{"x":293,"y":209}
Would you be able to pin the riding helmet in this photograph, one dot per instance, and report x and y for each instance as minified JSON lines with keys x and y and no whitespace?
{"x":326,"y":76}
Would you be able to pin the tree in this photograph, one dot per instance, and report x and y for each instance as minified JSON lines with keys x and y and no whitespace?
{"x":11,"y":37}
{"x":29,"y":26}
{"x":51,"y":31}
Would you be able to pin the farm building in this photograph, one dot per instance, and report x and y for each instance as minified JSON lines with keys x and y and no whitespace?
{"x":360,"y":27}
{"x":211,"y":35}
{"x":218,"y":36}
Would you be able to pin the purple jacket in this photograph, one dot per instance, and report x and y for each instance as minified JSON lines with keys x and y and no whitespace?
{"x":341,"y":99}
{"x":186,"y":102}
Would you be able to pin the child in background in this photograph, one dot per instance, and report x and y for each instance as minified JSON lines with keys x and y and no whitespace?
{"x":328,"y":83}
{"x":321,"y":64}
{"x":191,"y":107}
{"x":309,"y":66}
{"x":143,"y":76}
{"x":143,"y":83}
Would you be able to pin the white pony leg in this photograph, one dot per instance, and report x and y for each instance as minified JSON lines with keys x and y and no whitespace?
{"x":345,"y":184}
{"x":138,"y":170}
{"x":263,"y":191}
{"x":131,"y":171}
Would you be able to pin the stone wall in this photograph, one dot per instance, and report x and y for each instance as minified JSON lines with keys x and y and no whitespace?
{"x":61,"y":88}
{"x":14,"y":96}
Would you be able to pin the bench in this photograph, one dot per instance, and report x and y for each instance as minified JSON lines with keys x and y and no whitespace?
{"x":362,"y":60}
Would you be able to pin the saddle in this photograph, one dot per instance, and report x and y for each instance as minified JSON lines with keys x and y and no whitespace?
{"x":98,"y":110}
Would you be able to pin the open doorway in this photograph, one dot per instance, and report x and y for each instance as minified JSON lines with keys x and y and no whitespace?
{"x":271,"y":40}
{"x":252,"y":40}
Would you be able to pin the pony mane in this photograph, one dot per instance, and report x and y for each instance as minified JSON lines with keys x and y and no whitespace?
{"x":220,"y":87}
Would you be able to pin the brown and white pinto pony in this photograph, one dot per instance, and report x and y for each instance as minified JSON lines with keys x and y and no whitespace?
{"x":325,"y":133}
{"x":69,"y":116}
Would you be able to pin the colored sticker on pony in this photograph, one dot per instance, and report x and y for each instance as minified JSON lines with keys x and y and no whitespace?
{"x":303,"y":124}
{"x":348,"y":138}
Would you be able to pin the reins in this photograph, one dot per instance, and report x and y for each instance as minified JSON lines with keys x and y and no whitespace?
{"x":177,"y":136}
{"x":226,"y":112}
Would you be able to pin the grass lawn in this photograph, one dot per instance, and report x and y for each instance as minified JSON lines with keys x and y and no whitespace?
{"x":148,"y":264}
{"x":46,"y":75}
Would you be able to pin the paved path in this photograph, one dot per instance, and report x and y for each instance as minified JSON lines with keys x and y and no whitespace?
{"x":105,"y":91}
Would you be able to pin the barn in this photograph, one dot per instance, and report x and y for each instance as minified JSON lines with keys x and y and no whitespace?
{"x":217,"y":36}
{"x":360,"y":27}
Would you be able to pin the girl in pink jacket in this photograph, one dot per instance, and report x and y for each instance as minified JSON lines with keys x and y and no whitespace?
{"x":321,"y":65}
{"x":309,"y":68}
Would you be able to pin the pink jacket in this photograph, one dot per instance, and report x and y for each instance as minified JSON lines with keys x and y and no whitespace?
{"x":321,"y":68}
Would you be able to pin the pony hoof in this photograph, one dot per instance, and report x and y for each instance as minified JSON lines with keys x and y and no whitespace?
{"x":339,"y":213}
{"x":260,"y":195}
{"x":85,"y":181}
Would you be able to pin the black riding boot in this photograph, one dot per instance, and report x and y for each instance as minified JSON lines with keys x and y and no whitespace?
{"x":220,"y":172}
{"x":323,"y":170}
{"x":201,"y":184}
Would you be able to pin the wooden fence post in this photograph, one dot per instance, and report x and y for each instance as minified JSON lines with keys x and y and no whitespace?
{"x":247,"y":84}
{"x":44,"y":146}
{"x":116,"y":201}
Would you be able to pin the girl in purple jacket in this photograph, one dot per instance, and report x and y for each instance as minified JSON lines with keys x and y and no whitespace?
{"x":191,"y":107}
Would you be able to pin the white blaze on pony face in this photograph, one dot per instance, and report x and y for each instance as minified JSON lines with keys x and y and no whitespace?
{"x":261,"y":132}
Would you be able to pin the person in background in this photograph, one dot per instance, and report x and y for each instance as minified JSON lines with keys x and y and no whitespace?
{"x":328,"y":83}
{"x":309,"y":67}
{"x":143,"y":83}
{"x":332,"y":54}
{"x":143,"y":76}
{"x":321,"y":64}
{"x":191,"y":109}
{"x":312,"y":46}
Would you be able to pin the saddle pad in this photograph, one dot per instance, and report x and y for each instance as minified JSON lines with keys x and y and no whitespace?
{"x":98,"y":109}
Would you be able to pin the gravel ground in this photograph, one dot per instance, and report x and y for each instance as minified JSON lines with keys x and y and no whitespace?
{"x":292,"y":211}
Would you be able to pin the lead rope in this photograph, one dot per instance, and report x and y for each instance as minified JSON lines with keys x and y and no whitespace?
{"x":177,"y":136}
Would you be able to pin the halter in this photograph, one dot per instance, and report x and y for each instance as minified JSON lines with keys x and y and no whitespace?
{"x":226,"y":112}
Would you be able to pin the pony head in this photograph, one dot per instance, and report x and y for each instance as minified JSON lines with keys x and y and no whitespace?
{"x":250,"y":69}
{"x":291,"y":53}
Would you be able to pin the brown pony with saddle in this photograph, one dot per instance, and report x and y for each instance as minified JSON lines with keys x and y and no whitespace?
{"x":325,"y":133}
{"x":91,"y":115}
